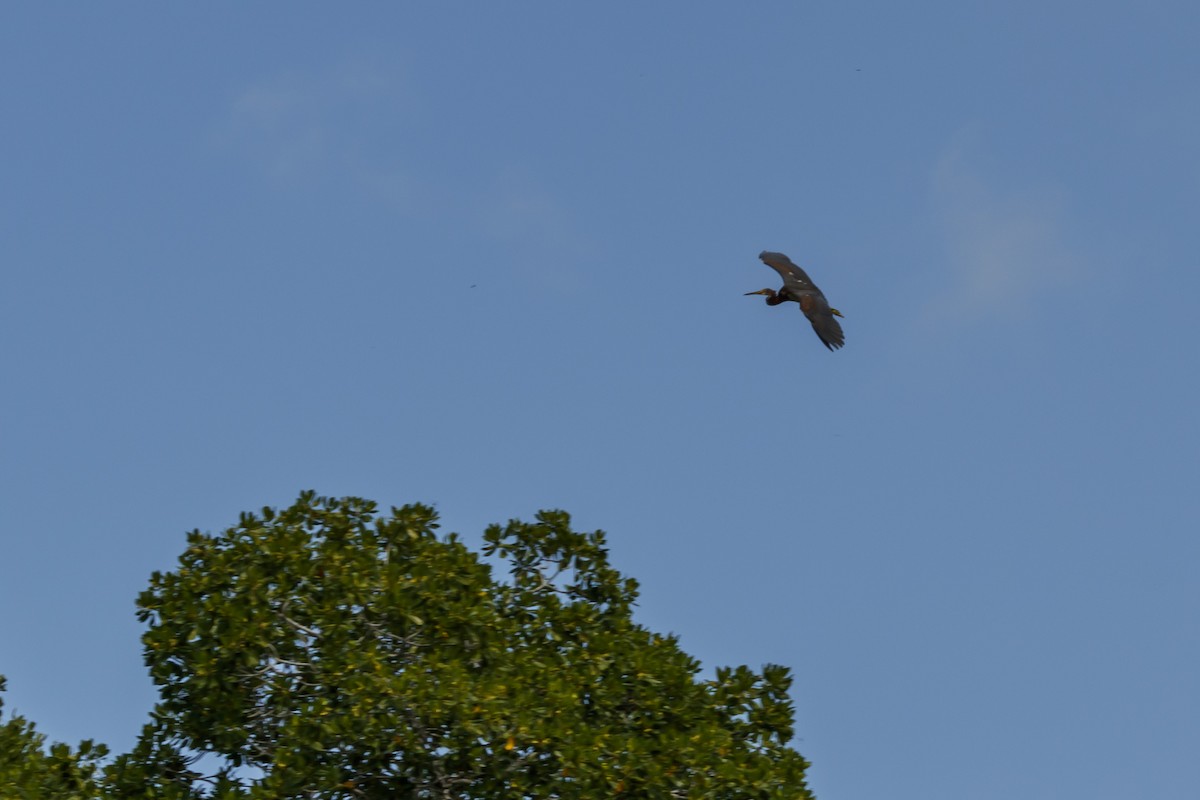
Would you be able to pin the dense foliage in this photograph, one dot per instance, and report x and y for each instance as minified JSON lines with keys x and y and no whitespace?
{"x":330,"y":651}
{"x":31,"y":771}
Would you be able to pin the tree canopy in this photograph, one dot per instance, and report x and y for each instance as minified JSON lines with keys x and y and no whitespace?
{"x":29,"y":770}
{"x":328,"y":650}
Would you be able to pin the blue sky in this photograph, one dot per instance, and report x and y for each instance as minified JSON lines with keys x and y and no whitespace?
{"x":492,"y":257}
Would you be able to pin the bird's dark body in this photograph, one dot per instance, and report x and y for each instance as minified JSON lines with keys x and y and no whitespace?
{"x":800,"y":289}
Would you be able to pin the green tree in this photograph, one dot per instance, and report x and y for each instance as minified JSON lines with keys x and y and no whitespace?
{"x":30,"y":771}
{"x":329,"y":651}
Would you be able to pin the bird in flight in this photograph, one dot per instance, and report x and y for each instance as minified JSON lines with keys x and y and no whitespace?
{"x":797,"y":286}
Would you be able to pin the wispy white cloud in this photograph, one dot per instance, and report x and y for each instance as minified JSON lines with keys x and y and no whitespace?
{"x":1005,"y":244}
{"x":522,"y":213}
{"x":341,"y":125}
{"x":518,"y":208}
{"x":301,"y":126}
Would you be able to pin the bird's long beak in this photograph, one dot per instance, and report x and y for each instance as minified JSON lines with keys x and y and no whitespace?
{"x":836,"y":313}
{"x":760,"y":291}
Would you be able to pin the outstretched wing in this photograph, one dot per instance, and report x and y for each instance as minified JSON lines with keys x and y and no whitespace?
{"x":821,"y":316}
{"x":795,"y":280}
